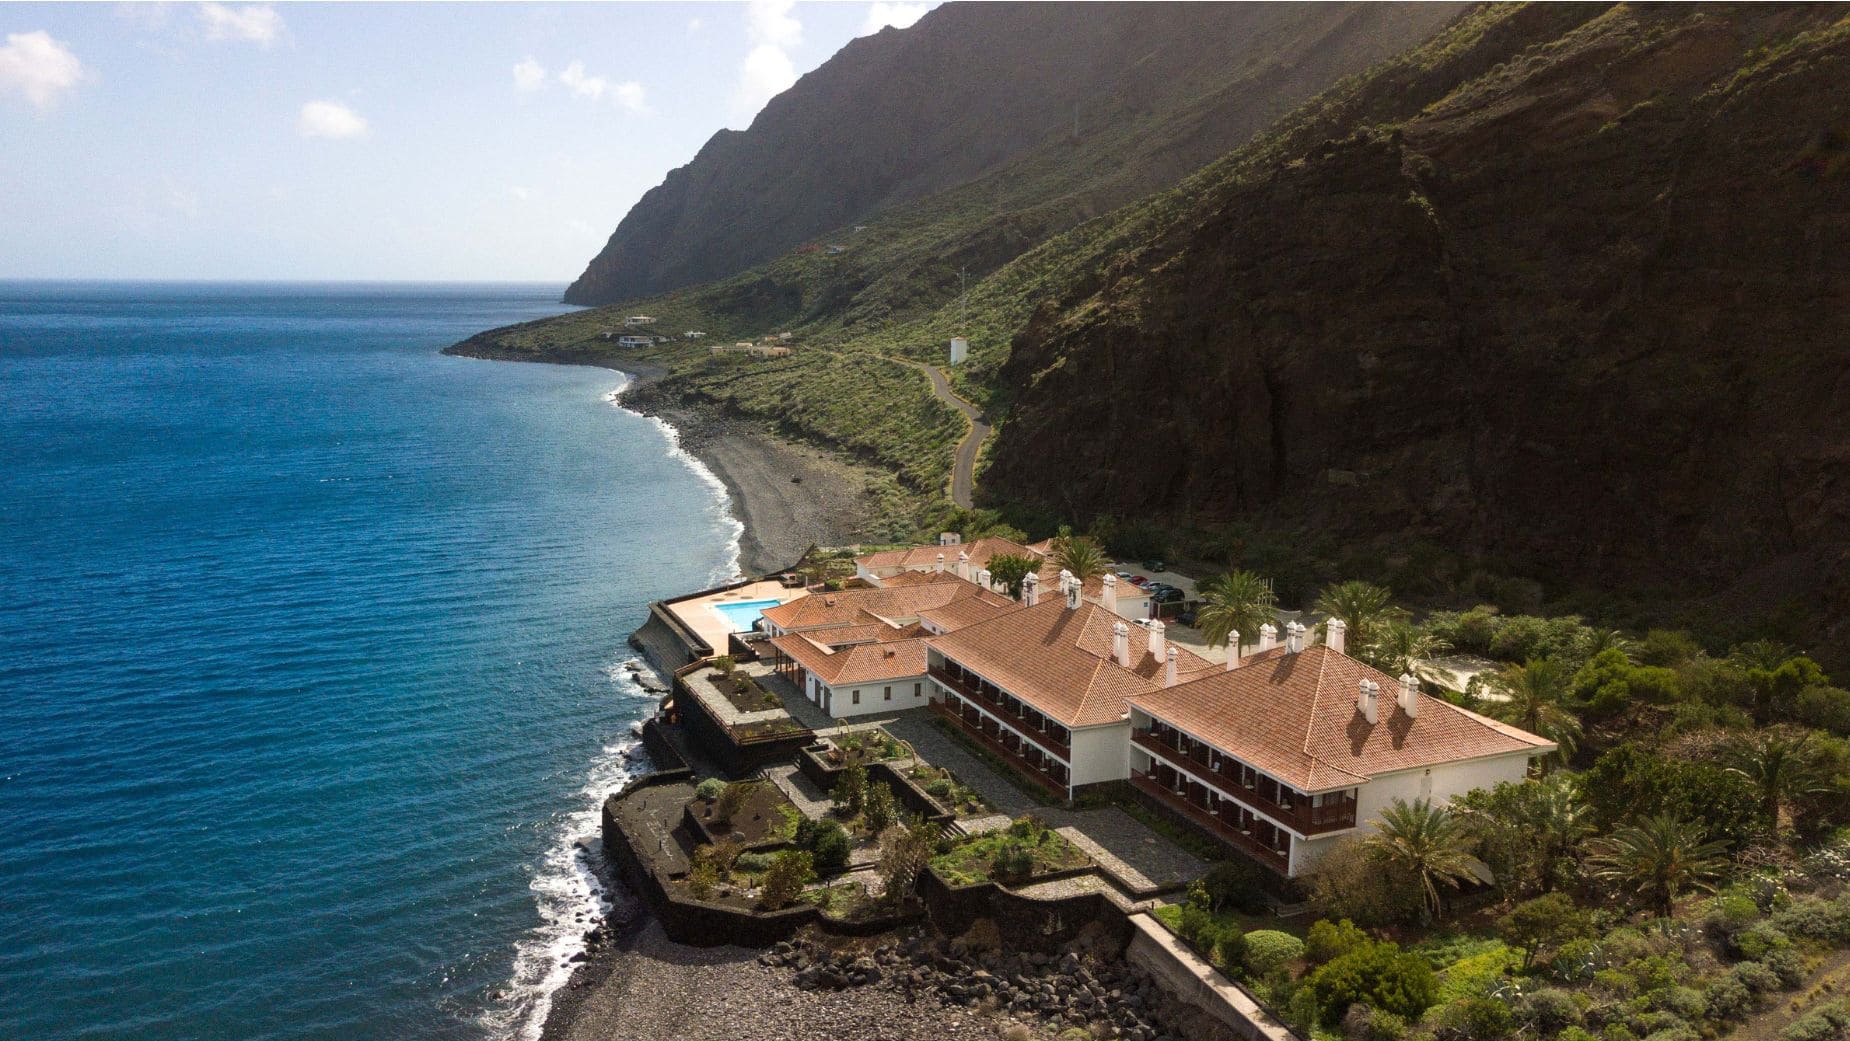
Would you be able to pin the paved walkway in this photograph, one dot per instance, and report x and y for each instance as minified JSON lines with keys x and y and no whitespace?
{"x":1139,"y":860}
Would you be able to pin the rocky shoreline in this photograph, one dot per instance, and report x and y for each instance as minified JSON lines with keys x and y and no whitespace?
{"x":787,"y":496}
{"x":637,"y":985}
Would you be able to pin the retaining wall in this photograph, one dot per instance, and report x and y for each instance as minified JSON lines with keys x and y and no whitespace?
{"x":1198,"y":985}
{"x":1029,"y":923}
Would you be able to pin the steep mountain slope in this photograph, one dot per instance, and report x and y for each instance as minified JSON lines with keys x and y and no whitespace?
{"x":1568,"y":286}
{"x":972,"y":136}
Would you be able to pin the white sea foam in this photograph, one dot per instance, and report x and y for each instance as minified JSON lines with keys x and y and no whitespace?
{"x":721,"y":509}
{"x":569,"y":887}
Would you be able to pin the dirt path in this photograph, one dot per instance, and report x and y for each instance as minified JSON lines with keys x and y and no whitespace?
{"x":963,"y":471}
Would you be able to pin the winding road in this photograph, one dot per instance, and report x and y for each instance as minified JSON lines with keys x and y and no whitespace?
{"x":963,"y":470}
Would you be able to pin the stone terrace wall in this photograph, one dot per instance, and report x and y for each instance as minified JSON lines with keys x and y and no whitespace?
{"x":1029,"y":923}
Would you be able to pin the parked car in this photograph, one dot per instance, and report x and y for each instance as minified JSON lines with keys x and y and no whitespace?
{"x":1143,"y":623}
{"x":1139,"y":581}
{"x":1167,"y":596}
{"x":1126,"y":576}
{"x":1187,"y":618}
{"x":1153,"y":565}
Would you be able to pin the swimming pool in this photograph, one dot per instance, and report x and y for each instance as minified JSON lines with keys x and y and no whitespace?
{"x":743,"y":615}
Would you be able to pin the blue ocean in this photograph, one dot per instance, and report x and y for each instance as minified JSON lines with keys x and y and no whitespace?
{"x":311,"y":646}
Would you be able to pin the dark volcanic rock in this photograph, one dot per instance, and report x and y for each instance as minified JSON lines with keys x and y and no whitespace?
{"x":1571,"y":289}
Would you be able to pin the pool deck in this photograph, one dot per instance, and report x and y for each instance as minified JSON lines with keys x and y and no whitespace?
{"x":698,"y":615}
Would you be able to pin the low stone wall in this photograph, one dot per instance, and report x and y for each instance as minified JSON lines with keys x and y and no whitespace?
{"x":714,"y":740}
{"x":667,"y":644}
{"x":1029,"y":923}
{"x":662,"y":752}
{"x":911,"y":797}
{"x":1198,"y":985}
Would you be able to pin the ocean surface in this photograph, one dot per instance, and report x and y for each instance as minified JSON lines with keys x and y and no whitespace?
{"x":311,"y":646}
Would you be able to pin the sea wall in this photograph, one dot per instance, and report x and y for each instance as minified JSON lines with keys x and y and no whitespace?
{"x":1200,"y":986}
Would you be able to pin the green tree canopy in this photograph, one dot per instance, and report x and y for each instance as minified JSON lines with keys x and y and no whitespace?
{"x":1238,"y":601}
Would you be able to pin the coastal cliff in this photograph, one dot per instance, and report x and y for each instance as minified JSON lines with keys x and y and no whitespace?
{"x":1018,"y":106}
{"x":1565,"y":288}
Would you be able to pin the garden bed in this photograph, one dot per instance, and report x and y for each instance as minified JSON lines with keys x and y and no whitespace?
{"x":764,"y":816}
{"x":1025,"y":851}
{"x":745,"y":693}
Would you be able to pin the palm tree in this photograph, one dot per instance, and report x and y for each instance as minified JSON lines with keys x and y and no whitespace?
{"x":1559,"y":821}
{"x":1426,"y":841}
{"x":1238,"y":601}
{"x":1780,"y":764}
{"x":1398,"y":645}
{"x":1536,"y":691}
{"x":1361,"y":605}
{"x":1080,"y":555}
{"x":1657,"y":858}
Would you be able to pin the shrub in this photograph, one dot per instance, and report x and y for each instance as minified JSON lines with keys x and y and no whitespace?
{"x":828,"y":844}
{"x":1013,"y":861}
{"x":1544,"y":922}
{"x":1194,"y":920}
{"x":1473,"y":1019}
{"x":1787,"y":965}
{"x":1679,"y":1032}
{"x":1349,"y":883}
{"x":850,"y":795}
{"x":1758,"y":940}
{"x":1755,"y":977}
{"x":732,"y":799}
{"x":1816,"y":919}
{"x":1234,"y":885}
{"x":755,"y":863}
{"x":1686,"y":1002}
{"x":1728,"y":998}
{"x":1224,"y":944}
{"x":1326,"y":941}
{"x":1548,"y":1010}
{"x":1362,"y":1023}
{"x":939,"y":789}
{"x":1826,"y":1023}
{"x":702,"y":879}
{"x":1378,"y":974}
{"x":1267,"y":950}
{"x":709,"y":789}
{"x":1473,"y":977}
{"x":881,"y":808}
{"x":1730,"y":913}
{"x":1575,"y":1034}
{"x":789,"y":873}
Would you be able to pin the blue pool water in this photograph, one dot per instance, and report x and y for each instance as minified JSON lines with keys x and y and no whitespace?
{"x":310,"y":648}
{"x":745,"y":613}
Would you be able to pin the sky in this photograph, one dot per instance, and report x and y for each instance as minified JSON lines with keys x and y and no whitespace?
{"x":497,"y":142}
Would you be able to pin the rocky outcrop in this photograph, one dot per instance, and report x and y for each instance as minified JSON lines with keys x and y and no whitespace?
{"x":1059,"y":98}
{"x":1568,"y":287}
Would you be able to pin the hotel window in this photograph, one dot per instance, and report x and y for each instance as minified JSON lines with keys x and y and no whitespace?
{"x":889,"y":694}
{"x":918,"y":690}
{"x":857,"y":695}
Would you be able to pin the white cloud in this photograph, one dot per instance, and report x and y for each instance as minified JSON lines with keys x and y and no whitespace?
{"x":627,"y":95}
{"x":694,"y":25}
{"x":771,"y":21}
{"x":898,"y":15}
{"x":768,"y":69}
{"x":330,"y":119}
{"x":255,"y":23}
{"x":38,"y":67}
{"x":529,"y":75}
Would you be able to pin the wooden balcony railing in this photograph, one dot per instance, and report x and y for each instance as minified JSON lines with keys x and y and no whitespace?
{"x":1012,"y":756}
{"x":1053,"y":737}
{"x":1220,"y":829}
{"x":1300,"y":815}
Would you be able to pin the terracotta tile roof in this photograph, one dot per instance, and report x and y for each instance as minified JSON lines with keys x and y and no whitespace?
{"x":1294,"y":716}
{"x":968,"y":611}
{"x":865,"y":606}
{"x":1059,"y":660}
{"x":981,"y":550}
{"x":913,"y":578}
{"x":861,"y":663}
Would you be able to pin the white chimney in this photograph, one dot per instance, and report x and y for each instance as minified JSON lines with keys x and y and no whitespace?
{"x":1366,"y":698}
{"x":1073,"y":589}
{"x":1109,"y":597}
{"x":1335,"y":632}
{"x":941,"y":563}
{"x":1233,"y":650}
{"x":1030,"y":589}
{"x":1157,"y":630}
{"x":1409,"y":695}
{"x":1169,"y":670}
{"x":1268,"y":637}
{"x":1121,"y":644}
{"x":963,"y":565}
{"x":982,"y":577}
{"x":1294,"y":637}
